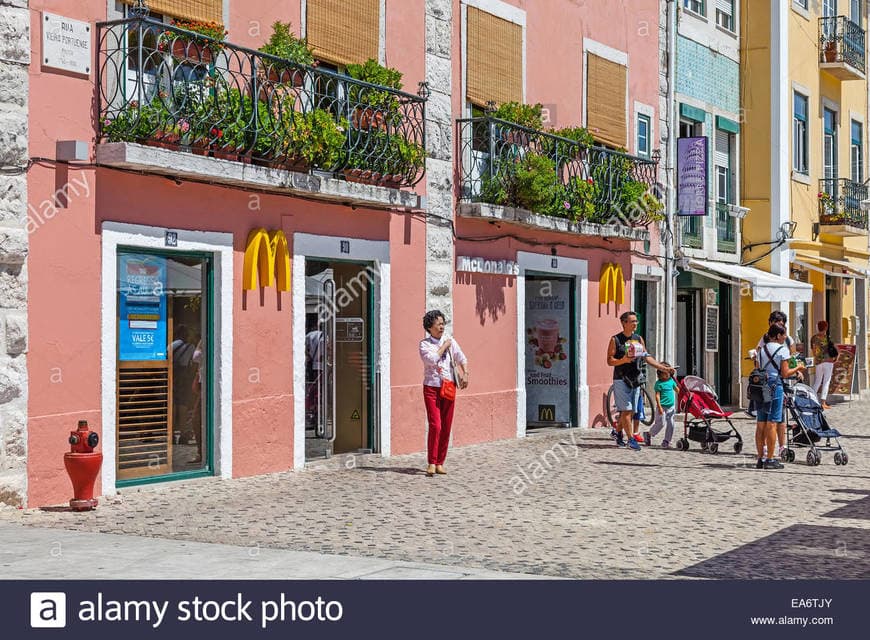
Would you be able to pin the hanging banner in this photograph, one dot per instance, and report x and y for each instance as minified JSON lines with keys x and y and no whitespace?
{"x":141,"y":307}
{"x":692,"y":176}
{"x":844,"y":370}
{"x":548,"y":351}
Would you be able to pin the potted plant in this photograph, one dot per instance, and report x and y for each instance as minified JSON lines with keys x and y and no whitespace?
{"x":403,"y":163}
{"x":831,"y":49}
{"x":524,"y":115}
{"x":529,"y":182}
{"x":292,"y":51}
{"x":373,"y":108}
{"x":201,"y":44}
{"x":826,"y":202}
{"x":297,"y":140}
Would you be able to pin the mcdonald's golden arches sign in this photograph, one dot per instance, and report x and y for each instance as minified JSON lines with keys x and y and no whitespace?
{"x":267,"y":258}
{"x":611,"y":286}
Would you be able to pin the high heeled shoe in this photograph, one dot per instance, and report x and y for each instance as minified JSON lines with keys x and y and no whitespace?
{"x":430,"y":470}
{"x":439,"y":469}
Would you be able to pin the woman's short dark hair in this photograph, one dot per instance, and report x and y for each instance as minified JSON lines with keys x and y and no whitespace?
{"x":775,"y":331}
{"x":430,"y":318}
{"x":778,"y":316}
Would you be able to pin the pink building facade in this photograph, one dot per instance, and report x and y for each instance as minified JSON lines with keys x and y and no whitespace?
{"x":151,"y":315}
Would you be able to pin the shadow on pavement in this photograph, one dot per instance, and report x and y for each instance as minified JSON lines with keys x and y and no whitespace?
{"x":408,"y":471}
{"x":802,"y":552}
{"x":853,"y":509}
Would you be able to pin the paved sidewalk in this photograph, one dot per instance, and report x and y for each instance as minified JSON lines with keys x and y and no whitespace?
{"x":562,"y":503}
{"x":28,"y":553}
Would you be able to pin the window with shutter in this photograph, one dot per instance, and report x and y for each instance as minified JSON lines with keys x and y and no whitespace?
{"x":343,"y":32}
{"x":606,"y":100}
{"x":203,"y":10}
{"x":495,"y":59}
{"x":725,"y":14}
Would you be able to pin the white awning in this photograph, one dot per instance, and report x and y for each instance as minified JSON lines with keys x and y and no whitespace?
{"x":851,"y":270}
{"x":766,"y":287}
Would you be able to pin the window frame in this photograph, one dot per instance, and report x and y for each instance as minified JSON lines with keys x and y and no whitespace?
{"x":856,"y":161}
{"x":690,"y":5}
{"x":800,"y":126}
{"x":830,"y":170}
{"x":647,"y":121}
{"x":730,"y":27}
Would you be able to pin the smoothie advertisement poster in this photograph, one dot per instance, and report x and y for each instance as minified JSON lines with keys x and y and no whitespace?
{"x":548,"y":366}
{"x":142,"y":307}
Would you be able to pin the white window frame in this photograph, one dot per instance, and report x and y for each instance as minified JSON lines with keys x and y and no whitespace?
{"x":696,"y":7}
{"x":642,"y":110}
{"x":796,"y":155}
{"x":220,"y":245}
{"x":835,"y":167}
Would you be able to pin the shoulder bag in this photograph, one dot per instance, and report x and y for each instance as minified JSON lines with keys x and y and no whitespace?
{"x":759,"y":379}
{"x":832,"y":350}
{"x":448,"y":387}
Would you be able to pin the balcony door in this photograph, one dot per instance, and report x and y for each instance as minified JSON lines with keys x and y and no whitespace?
{"x":830,"y":151}
{"x":829,"y":8}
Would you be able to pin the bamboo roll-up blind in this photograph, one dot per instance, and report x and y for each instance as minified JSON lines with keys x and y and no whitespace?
{"x":203,"y":10}
{"x":495,"y":59}
{"x":605,"y":101}
{"x":343,"y":31}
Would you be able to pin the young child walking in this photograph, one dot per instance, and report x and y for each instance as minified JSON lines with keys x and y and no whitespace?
{"x":666,"y":401}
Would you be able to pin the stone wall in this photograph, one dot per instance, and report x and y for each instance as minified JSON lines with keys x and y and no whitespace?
{"x":439,"y":164}
{"x":14,"y":64}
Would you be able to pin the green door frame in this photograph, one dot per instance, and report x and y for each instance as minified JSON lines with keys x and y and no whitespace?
{"x":208,"y":467}
{"x":574,"y":374}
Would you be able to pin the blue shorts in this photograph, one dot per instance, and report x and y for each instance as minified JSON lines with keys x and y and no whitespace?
{"x":771,"y":411}
{"x":625,"y":397}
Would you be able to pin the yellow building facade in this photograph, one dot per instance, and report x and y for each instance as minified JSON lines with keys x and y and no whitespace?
{"x":804,"y":93}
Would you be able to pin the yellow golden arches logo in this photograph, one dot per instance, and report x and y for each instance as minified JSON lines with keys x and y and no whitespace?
{"x":611,"y":287}
{"x":546,"y":413}
{"x":267,"y":256}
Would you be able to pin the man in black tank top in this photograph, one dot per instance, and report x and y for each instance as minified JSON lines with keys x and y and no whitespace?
{"x":626,"y":353}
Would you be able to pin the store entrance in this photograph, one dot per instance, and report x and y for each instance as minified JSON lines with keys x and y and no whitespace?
{"x":340,"y":380}
{"x":163,"y":364}
{"x":550,"y":354}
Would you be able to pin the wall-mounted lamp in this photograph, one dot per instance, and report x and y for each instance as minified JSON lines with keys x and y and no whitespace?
{"x":736,"y":211}
{"x":815,"y":231}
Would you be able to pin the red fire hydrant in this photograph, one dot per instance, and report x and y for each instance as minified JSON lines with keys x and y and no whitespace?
{"x":83,"y":464}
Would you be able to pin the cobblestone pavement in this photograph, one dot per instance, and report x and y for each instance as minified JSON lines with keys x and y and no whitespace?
{"x":562,"y":503}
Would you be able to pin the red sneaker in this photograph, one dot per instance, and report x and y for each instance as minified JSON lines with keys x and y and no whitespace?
{"x":638,"y":437}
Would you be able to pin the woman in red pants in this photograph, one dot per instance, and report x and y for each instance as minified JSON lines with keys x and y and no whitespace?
{"x":442,"y":360}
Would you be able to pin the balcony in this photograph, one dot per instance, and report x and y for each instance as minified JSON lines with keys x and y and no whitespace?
{"x":174,"y":89}
{"x":692,"y":228}
{"x":508,"y":165}
{"x":841,"y":48}
{"x":840,"y":211}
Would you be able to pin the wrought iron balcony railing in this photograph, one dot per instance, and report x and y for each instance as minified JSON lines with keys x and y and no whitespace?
{"x":840,"y":203}
{"x":841,"y":40}
{"x":165,"y":86}
{"x":725,"y":229}
{"x":506,"y":164}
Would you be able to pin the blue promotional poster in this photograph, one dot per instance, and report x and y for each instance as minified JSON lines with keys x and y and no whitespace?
{"x":142,"y":307}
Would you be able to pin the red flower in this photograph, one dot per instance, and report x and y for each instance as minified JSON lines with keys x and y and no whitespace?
{"x":217,"y":133}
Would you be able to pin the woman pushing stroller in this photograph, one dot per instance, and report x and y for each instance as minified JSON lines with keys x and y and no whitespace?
{"x":774,"y":360}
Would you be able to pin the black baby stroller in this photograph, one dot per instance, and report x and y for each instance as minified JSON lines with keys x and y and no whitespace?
{"x":806,"y":426}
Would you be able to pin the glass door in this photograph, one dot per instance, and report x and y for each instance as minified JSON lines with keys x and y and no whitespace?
{"x":163,"y":420}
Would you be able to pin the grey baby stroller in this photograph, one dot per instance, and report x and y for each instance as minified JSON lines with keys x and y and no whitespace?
{"x":807,"y":426}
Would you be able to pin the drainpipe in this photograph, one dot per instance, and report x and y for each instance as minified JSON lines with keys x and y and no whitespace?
{"x":671,"y":178}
